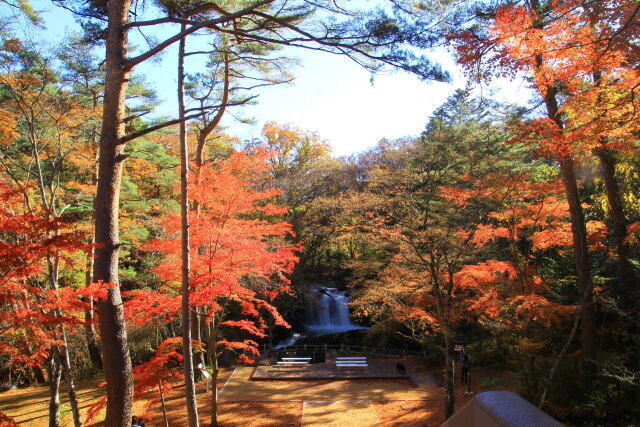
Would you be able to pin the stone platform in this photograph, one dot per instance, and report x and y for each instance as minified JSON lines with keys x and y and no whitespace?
{"x":377,"y":369}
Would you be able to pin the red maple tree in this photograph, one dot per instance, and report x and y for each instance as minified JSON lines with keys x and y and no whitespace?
{"x":240,"y":257}
{"x":585,"y":75}
{"x":30,"y":325}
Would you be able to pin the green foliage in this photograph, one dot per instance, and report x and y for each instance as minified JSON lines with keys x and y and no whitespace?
{"x":607,"y":402}
{"x":24,"y":7}
{"x":490,"y":382}
{"x":65,"y":410}
{"x":386,"y":222}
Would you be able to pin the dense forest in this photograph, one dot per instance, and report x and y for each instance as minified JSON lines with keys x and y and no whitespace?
{"x":133,"y":248}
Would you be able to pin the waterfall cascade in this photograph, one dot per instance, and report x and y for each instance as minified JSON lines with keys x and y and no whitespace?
{"x":328,"y":312}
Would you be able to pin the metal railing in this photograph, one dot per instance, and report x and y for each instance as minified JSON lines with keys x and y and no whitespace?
{"x":346,"y":349}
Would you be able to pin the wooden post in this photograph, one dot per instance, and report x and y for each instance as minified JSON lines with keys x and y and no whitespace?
{"x":453,"y":370}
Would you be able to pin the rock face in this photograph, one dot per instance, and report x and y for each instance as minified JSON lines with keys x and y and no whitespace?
{"x":500,"y":409}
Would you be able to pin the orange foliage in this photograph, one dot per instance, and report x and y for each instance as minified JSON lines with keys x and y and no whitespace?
{"x":7,"y":127}
{"x":159,"y":307}
{"x":505,"y":292}
{"x":592,"y":62}
{"x":7,"y":421}
{"x":153,"y":375}
{"x":514,"y":291}
{"x":239,"y":252}
{"x":633,"y":231}
{"x":152,"y":378}
{"x":29,"y":323}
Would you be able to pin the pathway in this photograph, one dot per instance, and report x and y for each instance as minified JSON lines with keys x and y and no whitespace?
{"x":419,"y":375}
{"x":326,"y":403}
{"x":339,"y":414}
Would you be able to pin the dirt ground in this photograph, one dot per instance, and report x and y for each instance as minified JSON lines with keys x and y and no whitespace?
{"x":408,"y":413}
{"x":30,"y":406}
{"x":268,"y":403}
{"x":339,"y":414}
{"x":240,"y":388}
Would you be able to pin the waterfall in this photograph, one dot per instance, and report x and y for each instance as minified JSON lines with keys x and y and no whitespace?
{"x":328,"y":312}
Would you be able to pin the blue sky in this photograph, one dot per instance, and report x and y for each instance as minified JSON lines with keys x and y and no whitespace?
{"x":331,"y":95}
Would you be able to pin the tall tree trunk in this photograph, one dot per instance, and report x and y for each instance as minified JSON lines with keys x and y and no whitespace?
{"x":55,"y":372}
{"x":618,"y":219}
{"x":187,"y":350}
{"x":196,"y":334}
{"x":204,"y":133}
{"x":113,"y":333}
{"x":214,"y":390}
{"x":578,"y":227}
{"x":89,"y":330}
{"x":63,"y":355}
{"x":449,"y":403}
{"x":62,"y":350}
{"x":213,"y":358}
{"x":583,"y":270}
{"x":618,"y":225}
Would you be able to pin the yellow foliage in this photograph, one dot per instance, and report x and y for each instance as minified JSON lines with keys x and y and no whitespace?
{"x":7,"y":127}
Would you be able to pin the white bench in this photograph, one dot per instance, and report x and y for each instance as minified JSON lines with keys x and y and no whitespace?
{"x":352,"y":362}
{"x":293,"y":361}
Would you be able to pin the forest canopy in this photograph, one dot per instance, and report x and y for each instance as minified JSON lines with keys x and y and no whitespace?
{"x":136,"y":246}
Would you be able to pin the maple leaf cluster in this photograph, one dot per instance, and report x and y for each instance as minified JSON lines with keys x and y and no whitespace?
{"x":514,"y":290}
{"x":34,"y":312}
{"x":240,"y":255}
{"x":427,"y":290}
{"x":155,"y":377}
{"x":157,"y":372}
{"x":592,"y":64}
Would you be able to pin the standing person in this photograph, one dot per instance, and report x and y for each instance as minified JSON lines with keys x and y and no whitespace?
{"x":465,"y":362}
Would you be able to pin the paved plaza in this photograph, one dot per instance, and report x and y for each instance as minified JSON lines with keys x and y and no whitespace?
{"x":328,"y":402}
{"x":377,"y":368}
